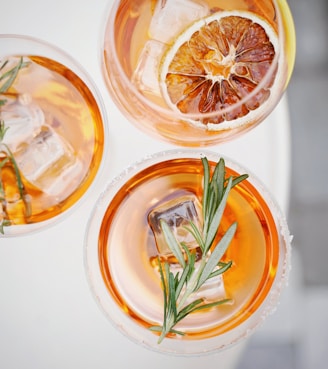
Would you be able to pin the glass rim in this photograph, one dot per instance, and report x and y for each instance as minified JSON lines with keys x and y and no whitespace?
{"x":68,"y":61}
{"x":109,"y":22}
{"x":139,"y":334}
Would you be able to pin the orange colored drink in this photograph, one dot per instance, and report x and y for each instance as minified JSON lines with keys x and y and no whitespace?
{"x":121,"y":249}
{"x":55,"y":132}
{"x":178,"y":72}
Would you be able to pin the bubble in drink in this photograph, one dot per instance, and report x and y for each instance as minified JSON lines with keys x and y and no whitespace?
{"x":170,"y":19}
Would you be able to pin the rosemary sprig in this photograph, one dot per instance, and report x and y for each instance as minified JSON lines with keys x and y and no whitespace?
{"x":6,"y":156}
{"x":178,"y":288}
{"x":10,"y":76}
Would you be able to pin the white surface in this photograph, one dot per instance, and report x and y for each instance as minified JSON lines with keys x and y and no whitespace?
{"x":48,"y":318}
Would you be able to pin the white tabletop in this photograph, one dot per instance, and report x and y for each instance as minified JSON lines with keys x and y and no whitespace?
{"x":48,"y":317}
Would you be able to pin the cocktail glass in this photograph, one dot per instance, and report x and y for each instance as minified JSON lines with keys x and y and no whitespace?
{"x":54,"y":131}
{"x":197,"y":72}
{"x":122,"y":249}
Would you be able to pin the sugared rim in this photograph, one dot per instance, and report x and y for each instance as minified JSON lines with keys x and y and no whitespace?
{"x":139,"y":334}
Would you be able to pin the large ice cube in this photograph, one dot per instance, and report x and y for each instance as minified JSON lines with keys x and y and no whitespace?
{"x":171,"y":17}
{"x":49,"y":163}
{"x":146,"y":75}
{"x":23,"y":120}
{"x":177,"y":213}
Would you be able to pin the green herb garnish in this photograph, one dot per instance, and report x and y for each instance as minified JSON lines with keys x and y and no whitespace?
{"x":6,"y":156}
{"x":178,"y":288}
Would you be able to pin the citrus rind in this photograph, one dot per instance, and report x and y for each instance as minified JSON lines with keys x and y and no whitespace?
{"x":252,"y":116}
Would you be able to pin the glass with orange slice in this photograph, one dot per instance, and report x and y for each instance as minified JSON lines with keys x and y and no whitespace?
{"x":198,"y":72}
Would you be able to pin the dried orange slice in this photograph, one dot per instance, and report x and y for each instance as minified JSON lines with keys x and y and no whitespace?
{"x":217,"y":62}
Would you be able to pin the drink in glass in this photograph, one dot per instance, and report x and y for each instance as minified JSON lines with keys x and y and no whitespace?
{"x":53,"y":134}
{"x":198,"y":72}
{"x":124,"y":244}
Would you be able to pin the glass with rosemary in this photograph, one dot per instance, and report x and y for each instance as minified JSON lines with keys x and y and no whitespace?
{"x":52,"y":134}
{"x":186,"y":252}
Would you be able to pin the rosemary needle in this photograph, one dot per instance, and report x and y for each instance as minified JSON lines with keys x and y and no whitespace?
{"x":179,"y":288}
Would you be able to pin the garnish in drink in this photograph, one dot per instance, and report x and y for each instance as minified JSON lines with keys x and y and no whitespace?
{"x":179,"y":288}
{"x":198,"y":72}
{"x":217,"y":63}
{"x":51,"y":139}
{"x":241,"y":275}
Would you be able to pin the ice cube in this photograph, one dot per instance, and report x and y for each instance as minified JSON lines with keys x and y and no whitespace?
{"x":170,"y":19}
{"x":23,"y":120}
{"x":212,"y":290}
{"x":49,"y":163}
{"x":146,"y":75}
{"x":178,"y":213}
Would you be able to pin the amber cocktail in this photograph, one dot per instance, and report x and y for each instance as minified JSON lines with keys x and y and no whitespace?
{"x":124,"y":243}
{"x":53,"y":129}
{"x":198,"y":72}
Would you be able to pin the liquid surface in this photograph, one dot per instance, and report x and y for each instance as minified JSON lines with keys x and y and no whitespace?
{"x":135,"y":52}
{"x":56,"y":135}
{"x":127,"y":248}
